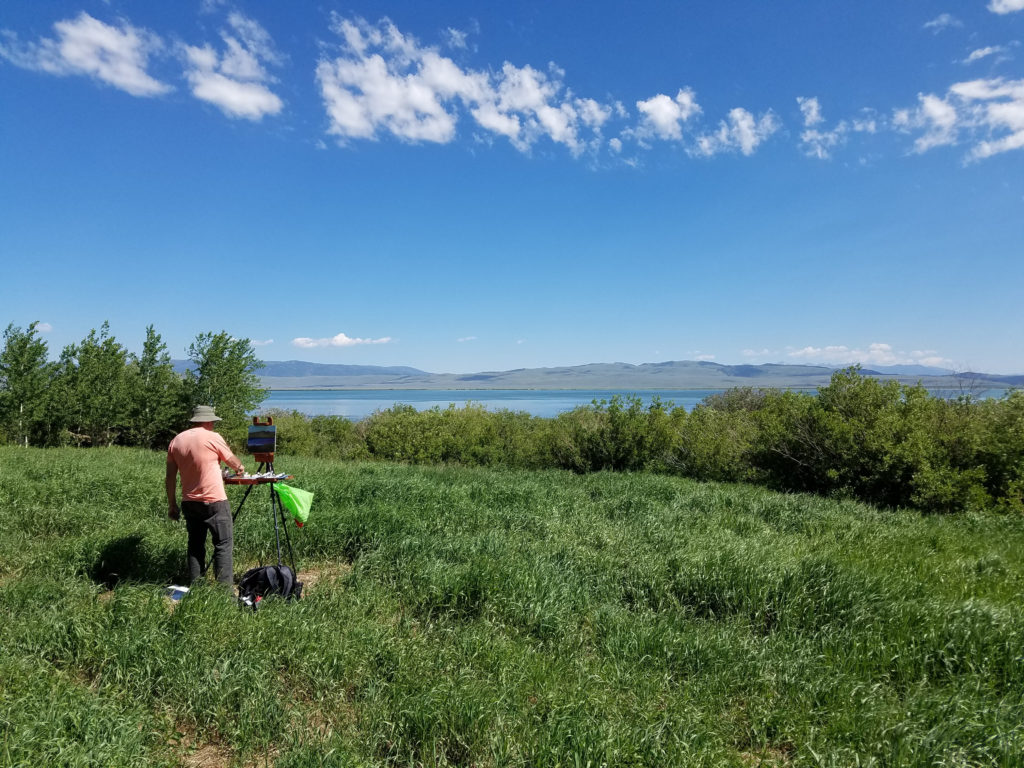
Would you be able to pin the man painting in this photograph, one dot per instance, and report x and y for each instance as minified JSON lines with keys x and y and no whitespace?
{"x":196,"y":453}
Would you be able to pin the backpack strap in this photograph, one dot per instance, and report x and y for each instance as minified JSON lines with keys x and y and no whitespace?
{"x":286,"y":578}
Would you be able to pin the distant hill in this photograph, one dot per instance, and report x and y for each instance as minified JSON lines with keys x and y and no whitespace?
{"x":913,"y":370}
{"x":673,"y":374}
{"x":300,"y":368}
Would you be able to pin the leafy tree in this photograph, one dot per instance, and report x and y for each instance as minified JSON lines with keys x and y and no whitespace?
{"x":223,"y":375}
{"x":24,"y":377}
{"x":91,"y":392}
{"x":156,"y":393}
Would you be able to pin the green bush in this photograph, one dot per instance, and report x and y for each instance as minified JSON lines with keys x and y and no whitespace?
{"x":470,"y":435}
{"x":717,"y":444}
{"x":620,"y":434}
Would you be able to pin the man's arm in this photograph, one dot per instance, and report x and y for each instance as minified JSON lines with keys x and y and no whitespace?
{"x":225,"y":455}
{"x":171,"y":484}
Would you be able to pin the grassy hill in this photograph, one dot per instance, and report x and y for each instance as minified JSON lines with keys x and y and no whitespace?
{"x":474,"y":617}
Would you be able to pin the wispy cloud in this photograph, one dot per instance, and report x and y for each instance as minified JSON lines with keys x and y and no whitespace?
{"x":943,"y":21}
{"x":818,"y":141}
{"x":981,"y":53}
{"x":115,"y":55}
{"x":740,"y":132}
{"x":811,"y":110}
{"x":236,"y":81}
{"x":989,"y":112}
{"x":1006,"y":6}
{"x":466,"y":338}
{"x":456,"y":38}
{"x":878,"y":353}
{"x":263,"y":343}
{"x":341,"y":340}
{"x":44,"y":327}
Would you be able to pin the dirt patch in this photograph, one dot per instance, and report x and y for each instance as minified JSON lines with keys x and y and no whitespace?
{"x":208,"y":756}
{"x":193,"y":754}
{"x":773,"y":757}
{"x":322,"y":573}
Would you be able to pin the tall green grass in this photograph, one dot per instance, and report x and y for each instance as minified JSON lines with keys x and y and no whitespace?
{"x":506,"y":618}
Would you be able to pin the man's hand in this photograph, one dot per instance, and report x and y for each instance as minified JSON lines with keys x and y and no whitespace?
{"x":173,"y":512}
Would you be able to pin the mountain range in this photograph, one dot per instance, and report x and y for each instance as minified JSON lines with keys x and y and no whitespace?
{"x":623,"y":377}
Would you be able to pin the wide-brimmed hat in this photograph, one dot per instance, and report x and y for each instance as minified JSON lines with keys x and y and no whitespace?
{"x":203,"y":414}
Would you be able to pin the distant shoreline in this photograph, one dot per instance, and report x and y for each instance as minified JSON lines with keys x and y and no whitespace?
{"x":522,"y":389}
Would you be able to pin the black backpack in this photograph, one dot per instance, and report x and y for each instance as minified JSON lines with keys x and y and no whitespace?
{"x":267,"y":580}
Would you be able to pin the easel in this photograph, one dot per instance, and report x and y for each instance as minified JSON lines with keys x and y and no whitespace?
{"x":262,"y":434}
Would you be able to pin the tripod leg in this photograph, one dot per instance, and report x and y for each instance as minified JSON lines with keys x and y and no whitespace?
{"x":274,"y":502}
{"x":287,"y":538}
{"x":238,"y":509}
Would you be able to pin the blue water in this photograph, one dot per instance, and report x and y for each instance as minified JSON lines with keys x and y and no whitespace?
{"x":358,"y":404}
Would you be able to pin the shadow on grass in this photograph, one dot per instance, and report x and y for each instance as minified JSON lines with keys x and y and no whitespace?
{"x":130,"y":559}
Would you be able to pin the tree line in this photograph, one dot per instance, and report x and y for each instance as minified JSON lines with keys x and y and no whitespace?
{"x":97,"y":393}
{"x":881,"y":442}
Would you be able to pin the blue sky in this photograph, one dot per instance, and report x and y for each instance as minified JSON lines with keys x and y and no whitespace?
{"x":464,"y":186}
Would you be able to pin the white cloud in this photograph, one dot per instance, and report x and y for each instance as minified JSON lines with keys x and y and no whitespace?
{"x":820,"y":144}
{"x":386,"y":82}
{"x":116,"y":55}
{"x":937,"y":117}
{"x":704,"y":357}
{"x":943,"y":21}
{"x":816,"y":142}
{"x":1006,"y":6}
{"x":236,"y":81}
{"x":44,"y":327}
{"x":664,"y":116}
{"x":981,"y":53}
{"x":456,"y":38}
{"x":258,"y":343}
{"x":756,"y":352}
{"x":741,"y":132}
{"x":466,"y":338}
{"x":878,"y":353}
{"x":341,"y":340}
{"x":811,"y":110}
{"x":866,"y":124}
{"x":989,"y":111}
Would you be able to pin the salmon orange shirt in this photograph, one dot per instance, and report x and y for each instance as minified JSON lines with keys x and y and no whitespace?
{"x":197,"y":452}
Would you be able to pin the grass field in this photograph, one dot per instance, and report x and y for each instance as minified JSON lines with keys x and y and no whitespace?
{"x":492,"y":618}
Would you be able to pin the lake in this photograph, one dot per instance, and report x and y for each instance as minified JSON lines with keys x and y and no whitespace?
{"x":358,"y":404}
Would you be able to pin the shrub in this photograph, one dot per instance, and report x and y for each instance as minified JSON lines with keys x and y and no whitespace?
{"x":717,"y":444}
{"x":620,"y":434}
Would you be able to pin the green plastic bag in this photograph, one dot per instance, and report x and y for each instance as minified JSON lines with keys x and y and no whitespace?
{"x":296,"y":501}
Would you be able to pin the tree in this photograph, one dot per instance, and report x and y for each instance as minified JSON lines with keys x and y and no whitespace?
{"x":92,"y":388}
{"x":24,"y":377}
{"x":156,"y":393}
{"x":223,"y":375}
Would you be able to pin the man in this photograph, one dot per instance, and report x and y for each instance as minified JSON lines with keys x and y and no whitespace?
{"x":196,"y":453}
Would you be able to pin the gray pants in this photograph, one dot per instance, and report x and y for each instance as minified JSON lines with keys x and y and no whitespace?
{"x":215,"y":518}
